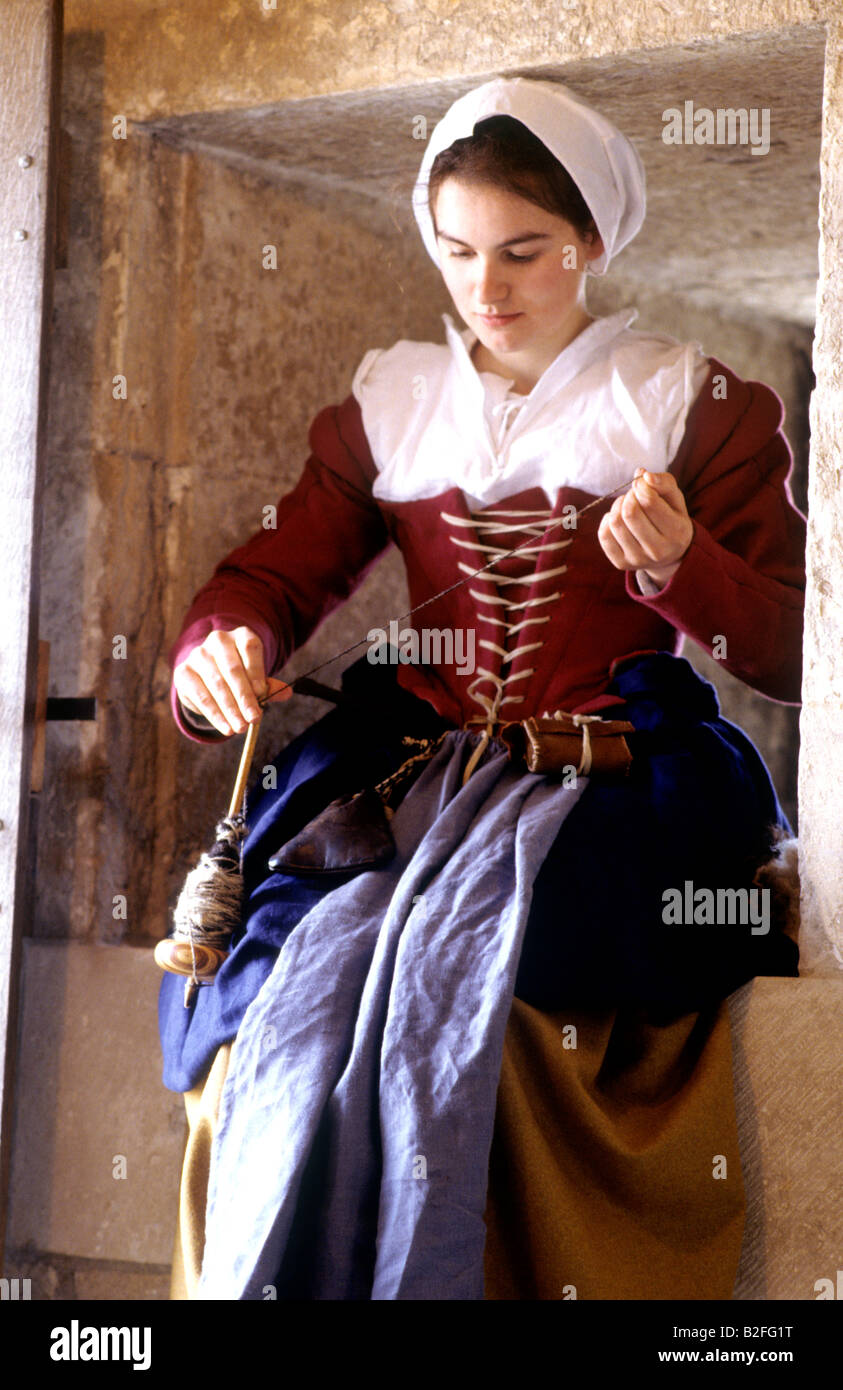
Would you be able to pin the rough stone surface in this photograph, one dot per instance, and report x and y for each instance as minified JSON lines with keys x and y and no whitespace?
{"x":283,"y":49}
{"x":88,"y":1093}
{"x":714,"y":230}
{"x":787,"y":1039}
{"x":226,"y":365}
{"x":821,"y":764}
{"x":62,"y":1278}
{"x":120,"y":1284}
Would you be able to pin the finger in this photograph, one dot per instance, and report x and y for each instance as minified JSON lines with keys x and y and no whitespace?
{"x":187,"y":704}
{"x":666,"y":487}
{"x":613,"y":538}
{"x":218,"y":700}
{"x":655,"y":507}
{"x":641,"y":514}
{"x":634,"y":556}
{"x":673,"y":526}
{"x":219,"y":666}
{"x":230,"y":651}
{"x":277,"y":690}
{"x":195,"y":695}
{"x":642,"y":544}
{"x":250,"y":650}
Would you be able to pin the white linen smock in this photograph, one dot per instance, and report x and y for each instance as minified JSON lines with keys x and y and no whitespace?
{"x":614,"y":399}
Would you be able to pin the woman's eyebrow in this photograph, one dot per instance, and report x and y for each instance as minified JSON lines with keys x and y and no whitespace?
{"x":513,"y":241}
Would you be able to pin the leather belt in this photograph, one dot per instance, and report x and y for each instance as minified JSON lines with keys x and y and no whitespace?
{"x":592,"y":746}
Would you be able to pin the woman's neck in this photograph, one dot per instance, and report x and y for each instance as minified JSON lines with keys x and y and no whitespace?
{"x":523,"y":368}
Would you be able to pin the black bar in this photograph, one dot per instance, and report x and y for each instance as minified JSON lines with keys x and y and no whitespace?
{"x":305,"y":686}
{"x":71,"y":709}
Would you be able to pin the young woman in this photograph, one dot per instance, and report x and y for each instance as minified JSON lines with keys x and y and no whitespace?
{"x":481,"y":1046}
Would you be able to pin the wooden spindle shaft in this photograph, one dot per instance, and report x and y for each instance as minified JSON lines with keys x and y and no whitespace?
{"x":245,"y":764}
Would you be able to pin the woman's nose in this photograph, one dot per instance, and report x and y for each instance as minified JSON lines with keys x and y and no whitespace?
{"x":491,"y":286}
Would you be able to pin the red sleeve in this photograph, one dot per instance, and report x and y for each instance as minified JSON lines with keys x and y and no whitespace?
{"x":283,"y":582}
{"x":743,"y":578}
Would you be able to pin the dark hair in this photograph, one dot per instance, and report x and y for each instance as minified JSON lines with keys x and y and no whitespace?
{"x":503,"y":152}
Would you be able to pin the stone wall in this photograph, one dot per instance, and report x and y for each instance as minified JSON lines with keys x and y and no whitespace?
{"x":225,"y":365}
{"x":821,"y":764}
{"x":170,"y":57}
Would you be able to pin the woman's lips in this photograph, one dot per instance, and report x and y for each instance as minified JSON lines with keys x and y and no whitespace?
{"x":496,"y":320}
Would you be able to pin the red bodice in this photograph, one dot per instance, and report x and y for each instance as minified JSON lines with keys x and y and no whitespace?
{"x":549,"y":622}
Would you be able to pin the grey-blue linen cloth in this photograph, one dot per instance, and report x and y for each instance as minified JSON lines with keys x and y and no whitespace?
{"x":350,"y":1158}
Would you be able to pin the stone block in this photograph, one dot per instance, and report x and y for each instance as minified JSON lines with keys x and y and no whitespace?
{"x":90,"y":1105}
{"x":123,"y":1285}
{"x":788,"y":1038}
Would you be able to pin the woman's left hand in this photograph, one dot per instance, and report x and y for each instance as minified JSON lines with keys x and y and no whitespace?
{"x":648,"y":528}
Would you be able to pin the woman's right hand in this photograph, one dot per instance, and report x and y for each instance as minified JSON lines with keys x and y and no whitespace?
{"x":223,"y":679}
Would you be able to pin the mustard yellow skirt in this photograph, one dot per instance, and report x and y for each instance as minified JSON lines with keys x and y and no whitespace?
{"x":614,"y":1171}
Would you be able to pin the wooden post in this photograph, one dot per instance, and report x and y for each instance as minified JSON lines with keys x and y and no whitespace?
{"x":30,"y":85}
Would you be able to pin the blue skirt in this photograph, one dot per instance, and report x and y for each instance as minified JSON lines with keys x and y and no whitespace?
{"x":697,"y":811}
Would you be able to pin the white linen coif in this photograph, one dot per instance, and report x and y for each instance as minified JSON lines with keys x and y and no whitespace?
{"x":603,"y":163}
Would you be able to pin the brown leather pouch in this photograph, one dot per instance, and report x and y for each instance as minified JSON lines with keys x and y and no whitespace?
{"x":350,"y":835}
{"x":594,"y":749}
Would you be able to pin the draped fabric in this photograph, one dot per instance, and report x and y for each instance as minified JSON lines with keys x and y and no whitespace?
{"x":615,"y":1169}
{"x":602,"y":1166}
{"x":698,"y":806}
{"x":488,"y":1069}
{"x":354,"y":746}
{"x":352,"y":1146}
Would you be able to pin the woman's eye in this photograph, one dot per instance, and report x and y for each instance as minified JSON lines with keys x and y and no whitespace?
{"x":509,"y":255}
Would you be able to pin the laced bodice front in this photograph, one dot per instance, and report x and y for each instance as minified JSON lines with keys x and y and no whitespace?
{"x":510,"y":615}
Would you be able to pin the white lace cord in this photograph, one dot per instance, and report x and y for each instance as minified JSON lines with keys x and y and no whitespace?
{"x":504,"y":409}
{"x":490,"y":524}
{"x":582,"y":721}
{"x":492,"y":707}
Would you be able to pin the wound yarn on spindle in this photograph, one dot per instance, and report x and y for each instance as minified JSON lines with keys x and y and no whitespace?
{"x":210,"y":904}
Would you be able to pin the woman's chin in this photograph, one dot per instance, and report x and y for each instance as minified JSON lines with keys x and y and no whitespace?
{"x":500,"y":342}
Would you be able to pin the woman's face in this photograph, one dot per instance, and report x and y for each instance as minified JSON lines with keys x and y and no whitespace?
{"x":515,"y":272}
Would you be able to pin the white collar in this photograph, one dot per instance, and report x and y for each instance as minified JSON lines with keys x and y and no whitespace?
{"x":591,"y":418}
{"x":571,"y":360}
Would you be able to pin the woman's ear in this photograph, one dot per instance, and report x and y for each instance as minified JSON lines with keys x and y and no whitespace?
{"x":595,"y":244}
